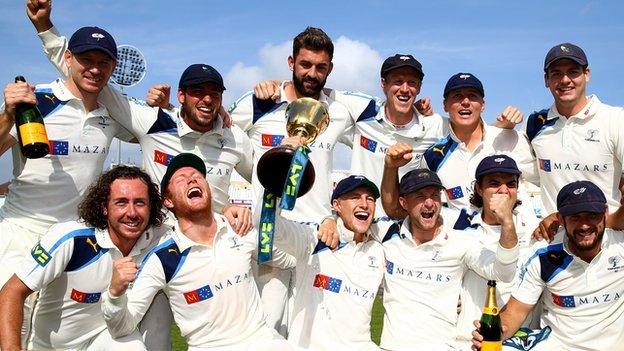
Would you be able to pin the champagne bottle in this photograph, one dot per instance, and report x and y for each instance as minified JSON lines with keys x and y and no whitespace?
{"x":31,"y":132}
{"x":490,"y":321}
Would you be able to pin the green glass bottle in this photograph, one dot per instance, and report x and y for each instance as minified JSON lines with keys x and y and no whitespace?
{"x":490,"y":321}
{"x":31,"y":132}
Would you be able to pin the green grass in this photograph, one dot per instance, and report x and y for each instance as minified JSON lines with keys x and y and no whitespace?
{"x":179,"y":344}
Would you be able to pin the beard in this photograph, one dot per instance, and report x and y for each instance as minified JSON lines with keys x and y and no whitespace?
{"x":312,"y":92}
{"x":190,"y":114}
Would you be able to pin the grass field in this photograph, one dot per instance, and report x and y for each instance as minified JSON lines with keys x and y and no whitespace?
{"x":376,"y":324}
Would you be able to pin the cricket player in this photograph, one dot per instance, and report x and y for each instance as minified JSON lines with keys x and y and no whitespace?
{"x":496,"y":176}
{"x":578,"y":137}
{"x":204,"y":268}
{"x":336,"y":288}
{"x":73,"y":263}
{"x":578,"y":278}
{"x":426,"y":261}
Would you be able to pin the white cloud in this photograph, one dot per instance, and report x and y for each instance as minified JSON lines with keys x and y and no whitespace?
{"x":356,"y":67}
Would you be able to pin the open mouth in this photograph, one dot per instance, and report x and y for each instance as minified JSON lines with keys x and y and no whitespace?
{"x":403,"y":98}
{"x":361,"y":215}
{"x":193,"y":193}
{"x":204,"y":109}
{"x":465,"y":112}
{"x":427,"y":214}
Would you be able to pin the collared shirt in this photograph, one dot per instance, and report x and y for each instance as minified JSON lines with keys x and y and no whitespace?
{"x":374,"y":134}
{"x":335,"y":289}
{"x":164,"y":134}
{"x":264,"y":121}
{"x":583,"y":302}
{"x":455,"y":164}
{"x":48,"y":190}
{"x":474,"y":286}
{"x":423,"y":282}
{"x":70,"y":267}
{"x":211,"y":290}
{"x":588,"y":145}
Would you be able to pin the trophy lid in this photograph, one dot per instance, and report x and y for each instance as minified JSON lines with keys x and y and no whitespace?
{"x":306,"y":117}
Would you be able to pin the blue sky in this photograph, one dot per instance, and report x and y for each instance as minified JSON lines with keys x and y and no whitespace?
{"x":501,"y":42}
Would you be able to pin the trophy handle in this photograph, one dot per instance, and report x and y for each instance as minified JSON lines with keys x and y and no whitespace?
{"x":273,"y":169}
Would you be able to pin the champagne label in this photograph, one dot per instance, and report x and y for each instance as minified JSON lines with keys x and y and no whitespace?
{"x":491,"y":346}
{"x":33,"y":133}
{"x":490,"y":310}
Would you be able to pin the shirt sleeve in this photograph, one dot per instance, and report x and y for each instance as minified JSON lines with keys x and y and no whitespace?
{"x":122,"y":314}
{"x":245,"y":166}
{"x":46,"y":261}
{"x":294,"y":238}
{"x":54,"y":46}
{"x":531,"y":284}
{"x":617,"y":132}
{"x":499,"y":265}
{"x":241,"y":112}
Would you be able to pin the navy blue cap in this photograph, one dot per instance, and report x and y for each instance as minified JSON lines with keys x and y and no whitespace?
{"x":497,"y":164}
{"x":417,"y":179}
{"x":463,"y":80}
{"x":353,"y":182}
{"x":180,"y":161}
{"x":565,"y":51}
{"x":92,"y":38}
{"x":581,"y":196}
{"x":200,"y":73}
{"x":401,"y":60}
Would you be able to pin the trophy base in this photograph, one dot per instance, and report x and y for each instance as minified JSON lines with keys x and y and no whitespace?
{"x":273,"y":169}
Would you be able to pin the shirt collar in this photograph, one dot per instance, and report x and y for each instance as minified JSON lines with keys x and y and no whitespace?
{"x":184,"y":129}
{"x":413,"y":129}
{"x":102,"y":236}
{"x":322,"y":97}
{"x":588,"y":111}
{"x":185,"y":242}
{"x":60,"y":90}
{"x":438,"y":240}
{"x":484,"y":127}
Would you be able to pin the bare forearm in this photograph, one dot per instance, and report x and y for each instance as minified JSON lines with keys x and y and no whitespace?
{"x":508,"y":238}
{"x":390,"y":193}
{"x":11,"y":315}
{"x":512,"y":315}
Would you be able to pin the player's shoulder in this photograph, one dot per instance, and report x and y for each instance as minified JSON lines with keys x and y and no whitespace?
{"x":67,"y":230}
{"x":537,"y":121}
{"x":245,"y":99}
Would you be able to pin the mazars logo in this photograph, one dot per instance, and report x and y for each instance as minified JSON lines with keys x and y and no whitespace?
{"x":97,"y":36}
{"x":579,"y":191}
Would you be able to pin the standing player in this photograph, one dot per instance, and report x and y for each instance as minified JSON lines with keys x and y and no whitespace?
{"x":426,"y":261}
{"x":202,"y":265}
{"x":336,"y":288}
{"x":496,"y":176}
{"x":72,"y":265}
{"x":578,"y":137}
{"x":264,"y":123}
{"x":578,"y":278}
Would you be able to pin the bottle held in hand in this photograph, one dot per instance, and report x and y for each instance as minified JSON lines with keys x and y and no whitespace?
{"x":33,"y":139}
{"x":490,"y":321}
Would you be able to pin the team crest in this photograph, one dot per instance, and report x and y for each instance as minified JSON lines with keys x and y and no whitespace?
{"x":404,"y":58}
{"x":592,"y":135}
{"x":579,"y":191}
{"x":564,"y":48}
{"x":97,"y":36}
{"x":464,"y":76}
{"x":499,"y":160}
{"x":615,"y":263}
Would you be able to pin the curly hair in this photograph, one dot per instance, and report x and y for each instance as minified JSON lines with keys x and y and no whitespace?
{"x":91,"y":208}
{"x":313,"y":39}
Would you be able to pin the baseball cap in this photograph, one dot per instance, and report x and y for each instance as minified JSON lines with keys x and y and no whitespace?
{"x":180,"y":161}
{"x":200,"y":73}
{"x":401,"y":60}
{"x":565,"y":51}
{"x":497,"y":164}
{"x":92,"y":38}
{"x":580,"y":196}
{"x":463,"y":80}
{"x":353,"y":182}
{"x":417,"y":179}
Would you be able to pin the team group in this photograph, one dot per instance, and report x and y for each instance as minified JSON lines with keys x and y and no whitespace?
{"x":435,"y":207}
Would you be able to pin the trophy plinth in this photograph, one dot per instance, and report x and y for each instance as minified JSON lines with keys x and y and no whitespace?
{"x":305,"y":117}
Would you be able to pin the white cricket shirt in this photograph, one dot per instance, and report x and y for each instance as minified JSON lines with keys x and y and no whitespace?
{"x":211,"y":290}
{"x":47,"y":190}
{"x":588,"y":145}
{"x":583,"y":302}
{"x":71,"y":267}
{"x":335,"y":289}
{"x":423,"y":282}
